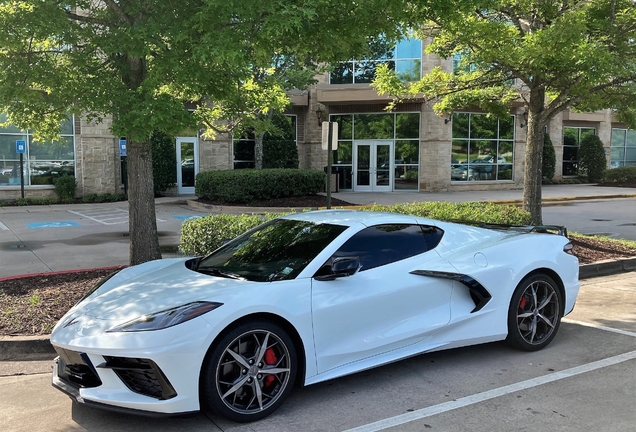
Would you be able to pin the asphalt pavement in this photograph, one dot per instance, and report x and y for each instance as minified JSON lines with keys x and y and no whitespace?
{"x":585,"y":380}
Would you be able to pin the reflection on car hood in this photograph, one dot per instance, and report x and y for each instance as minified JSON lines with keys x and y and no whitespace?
{"x":153,"y":287}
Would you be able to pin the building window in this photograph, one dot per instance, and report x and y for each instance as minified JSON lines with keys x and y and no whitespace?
{"x":482,"y":147}
{"x":623,"y":148}
{"x":399,"y":135}
{"x":43,"y":161}
{"x":243,"y":147}
{"x":405,"y":58}
{"x":572,"y":137}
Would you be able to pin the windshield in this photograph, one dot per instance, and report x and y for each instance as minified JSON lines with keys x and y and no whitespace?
{"x":277,"y":250}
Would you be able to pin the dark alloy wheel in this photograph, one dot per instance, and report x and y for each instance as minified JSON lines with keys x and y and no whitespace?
{"x":250,"y":372}
{"x":535,"y":313}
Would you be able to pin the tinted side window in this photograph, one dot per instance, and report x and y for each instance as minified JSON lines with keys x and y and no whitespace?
{"x":432,"y":236}
{"x":384,"y":244}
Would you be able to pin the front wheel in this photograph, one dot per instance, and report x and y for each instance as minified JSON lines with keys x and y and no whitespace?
{"x":250,"y":372}
{"x":535,"y":313}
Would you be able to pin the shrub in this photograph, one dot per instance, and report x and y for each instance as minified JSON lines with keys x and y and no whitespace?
{"x":626,"y":174}
{"x":164,"y":161}
{"x":245,"y":186}
{"x":592,"y":160}
{"x":65,"y":187}
{"x":202,"y":236}
{"x":279,"y":153}
{"x":548,"y":163}
{"x":279,"y":147}
{"x":3,"y":203}
{"x":90,"y":198}
{"x":468,"y":211}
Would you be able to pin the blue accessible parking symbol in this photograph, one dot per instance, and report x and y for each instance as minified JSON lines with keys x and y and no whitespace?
{"x":186,"y":217}
{"x":61,"y":224}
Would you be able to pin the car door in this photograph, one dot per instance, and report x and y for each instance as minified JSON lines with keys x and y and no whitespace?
{"x":382,"y":307}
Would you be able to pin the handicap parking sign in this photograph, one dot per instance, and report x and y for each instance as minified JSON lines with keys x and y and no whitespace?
{"x":20,"y":146}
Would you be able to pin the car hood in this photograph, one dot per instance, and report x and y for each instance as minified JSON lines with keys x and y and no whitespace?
{"x":153,"y":287}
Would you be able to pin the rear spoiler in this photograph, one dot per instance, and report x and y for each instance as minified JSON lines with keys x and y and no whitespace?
{"x":544,"y":229}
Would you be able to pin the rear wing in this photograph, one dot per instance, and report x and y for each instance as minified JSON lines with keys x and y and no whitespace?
{"x":544,"y":229}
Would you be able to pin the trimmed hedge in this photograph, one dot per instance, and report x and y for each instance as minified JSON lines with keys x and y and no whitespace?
{"x":592,"y":159}
{"x":468,"y":211}
{"x":548,"y":162}
{"x":246,"y":185}
{"x":203,"y":235}
{"x":626,"y":174}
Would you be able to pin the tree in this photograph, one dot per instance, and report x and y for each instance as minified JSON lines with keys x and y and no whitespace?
{"x":140,"y":61}
{"x":548,"y":160}
{"x":550,"y":56}
{"x":592,"y":160}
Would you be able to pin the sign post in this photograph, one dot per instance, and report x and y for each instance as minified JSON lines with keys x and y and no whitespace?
{"x":329,"y":135}
{"x":20,"y":148}
{"x":123,"y":153}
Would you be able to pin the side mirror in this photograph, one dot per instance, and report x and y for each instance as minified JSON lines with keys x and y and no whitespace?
{"x":340,"y":267}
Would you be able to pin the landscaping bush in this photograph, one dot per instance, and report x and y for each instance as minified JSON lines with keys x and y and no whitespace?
{"x":592,"y":160}
{"x":202,"y":236}
{"x":245,"y":186}
{"x":548,"y":163}
{"x":65,"y":187}
{"x":279,"y":149}
{"x":468,"y":211}
{"x":164,"y":162}
{"x":623,"y":175}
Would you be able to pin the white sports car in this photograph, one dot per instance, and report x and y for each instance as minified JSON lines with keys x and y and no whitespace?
{"x":303,"y":299}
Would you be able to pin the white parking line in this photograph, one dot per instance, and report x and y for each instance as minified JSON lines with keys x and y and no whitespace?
{"x":501,"y":391}
{"x":106,"y":217}
{"x":3,"y":227}
{"x":609,"y":329}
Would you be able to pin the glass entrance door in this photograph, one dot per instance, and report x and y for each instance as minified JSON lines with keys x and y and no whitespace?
{"x":372,"y":166}
{"x":187,"y":163}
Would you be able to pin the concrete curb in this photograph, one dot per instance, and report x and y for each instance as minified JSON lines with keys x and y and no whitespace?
{"x":32,"y":348}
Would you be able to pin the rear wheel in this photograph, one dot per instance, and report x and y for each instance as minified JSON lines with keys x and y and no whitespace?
{"x":250,"y":372}
{"x":534,"y":315}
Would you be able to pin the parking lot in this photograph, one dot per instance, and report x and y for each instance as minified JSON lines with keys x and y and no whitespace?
{"x":584,"y":381}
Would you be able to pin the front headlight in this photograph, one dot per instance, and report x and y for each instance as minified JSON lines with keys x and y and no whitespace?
{"x":166,"y":318}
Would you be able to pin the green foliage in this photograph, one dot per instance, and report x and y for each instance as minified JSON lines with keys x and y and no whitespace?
{"x":410,"y":175}
{"x":548,"y":163}
{"x":468,"y":211}
{"x":203,"y":235}
{"x":279,"y":147}
{"x":164,"y":161}
{"x":622,"y":175}
{"x":3,"y":203}
{"x":4,"y":178}
{"x":245,"y":186}
{"x":65,"y":187}
{"x":592,"y":160}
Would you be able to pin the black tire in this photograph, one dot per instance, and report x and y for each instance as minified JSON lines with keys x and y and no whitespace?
{"x":238,"y":379}
{"x":535,"y":312}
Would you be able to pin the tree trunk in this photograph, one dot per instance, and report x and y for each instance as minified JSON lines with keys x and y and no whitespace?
{"x":534,"y":153}
{"x":258,"y":151}
{"x":144,"y":240}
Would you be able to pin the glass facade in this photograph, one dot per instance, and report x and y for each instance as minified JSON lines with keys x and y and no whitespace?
{"x":43,"y":161}
{"x":482,"y":147}
{"x":405,"y":58}
{"x":243,"y":147}
{"x":572,"y":137}
{"x":393,"y":138}
{"x":623,"y":148}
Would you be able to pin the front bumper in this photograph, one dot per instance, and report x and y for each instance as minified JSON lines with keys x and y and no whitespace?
{"x":73,"y":392}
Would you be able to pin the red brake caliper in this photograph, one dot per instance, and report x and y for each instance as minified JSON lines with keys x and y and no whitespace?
{"x":270,"y":359}
{"x":522,"y":303}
